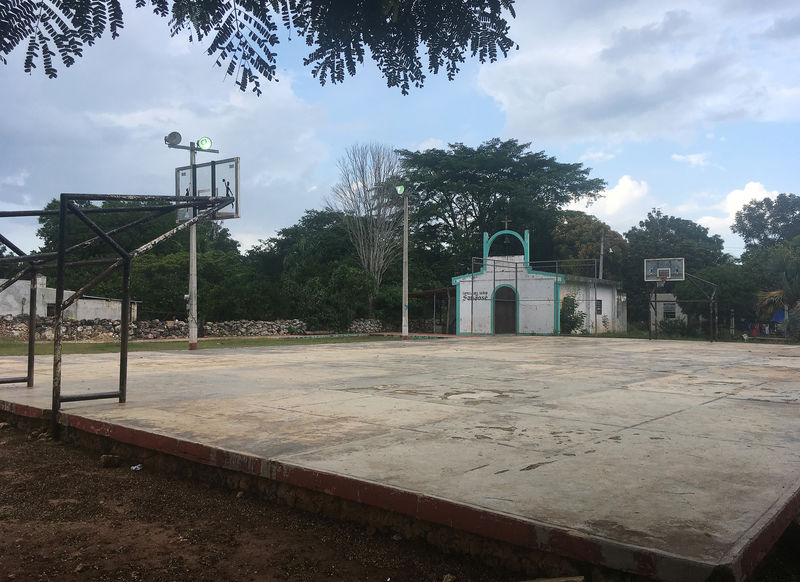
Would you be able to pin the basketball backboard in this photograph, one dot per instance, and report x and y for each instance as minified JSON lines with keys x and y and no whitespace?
{"x":222,"y":174}
{"x":671,"y":269}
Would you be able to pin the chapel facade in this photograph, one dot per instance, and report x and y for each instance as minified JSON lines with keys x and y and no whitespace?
{"x":507,"y":296}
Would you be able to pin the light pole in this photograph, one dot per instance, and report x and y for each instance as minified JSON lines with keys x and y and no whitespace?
{"x":173,"y":140}
{"x":404,"y":329}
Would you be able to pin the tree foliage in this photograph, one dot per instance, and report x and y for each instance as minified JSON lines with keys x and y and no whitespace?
{"x":459,"y":193}
{"x":781,"y":289}
{"x":736,"y":291}
{"x":242,"y":34}
{"x":309,"y":271}
{"x":578,"y":236}
{"x":768,"y":222}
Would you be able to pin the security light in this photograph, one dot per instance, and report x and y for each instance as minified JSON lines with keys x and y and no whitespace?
{"x":174,"y":138}
{"x":204,"y":143}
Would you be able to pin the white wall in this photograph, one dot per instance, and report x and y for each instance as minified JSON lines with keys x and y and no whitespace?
{"x":15,"y":301}
{"x":608,"y":320}
{"x":662,"y":298}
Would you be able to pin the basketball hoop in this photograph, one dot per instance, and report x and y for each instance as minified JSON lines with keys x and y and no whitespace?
{"x":661,"y":280}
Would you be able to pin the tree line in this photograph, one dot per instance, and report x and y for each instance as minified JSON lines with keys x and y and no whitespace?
{"x":340,"y":262}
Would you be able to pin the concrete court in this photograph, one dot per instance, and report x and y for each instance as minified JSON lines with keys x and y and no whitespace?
{"x":662,"y":458}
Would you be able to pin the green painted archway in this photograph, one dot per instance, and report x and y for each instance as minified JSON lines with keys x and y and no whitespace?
{"x":526,"y":242}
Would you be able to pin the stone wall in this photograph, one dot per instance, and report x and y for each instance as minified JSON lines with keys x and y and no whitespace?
{"x":16,"y":327}
{"x":249,"y":327}
{"x":365,"y":326}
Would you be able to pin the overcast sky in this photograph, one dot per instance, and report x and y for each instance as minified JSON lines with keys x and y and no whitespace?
{"x":690,"y":107}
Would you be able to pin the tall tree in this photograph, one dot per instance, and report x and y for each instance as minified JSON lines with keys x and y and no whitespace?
{"x":365,"y":196}
{"x":459,"y":193}
{"x":243,"y":33}
{"x":662,"y":236}
{"x":768,"y":222}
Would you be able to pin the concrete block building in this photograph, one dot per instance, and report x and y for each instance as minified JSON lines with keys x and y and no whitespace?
{"x":16,"y":301}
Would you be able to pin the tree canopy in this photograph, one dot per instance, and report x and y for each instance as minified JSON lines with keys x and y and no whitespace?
{"x":459,"y":193}
{"x":242,"y":34}
{"x":578,"y":236}
{"x":768,"y":222}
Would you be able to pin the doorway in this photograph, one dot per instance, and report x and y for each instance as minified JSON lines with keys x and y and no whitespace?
{"x":505,"y":310}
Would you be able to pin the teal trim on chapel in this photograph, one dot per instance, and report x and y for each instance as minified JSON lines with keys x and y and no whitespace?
{"x":558,"y":280}
{"x":526,"y":242}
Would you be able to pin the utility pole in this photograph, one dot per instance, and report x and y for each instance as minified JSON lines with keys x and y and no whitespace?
{"x":173,"y":140}
{"x":602,"y":252}
{"x":404,"y":328}
{"x":193,"y":258}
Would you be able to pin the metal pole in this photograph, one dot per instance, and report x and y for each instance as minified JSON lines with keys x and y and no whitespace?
{"x":405,"y":268}
{"x":434,"y":312}
{"x":193,"y":259}
{"x":125,"y":323}
{"x":472,"y":298}
{"x":32,"y":329}
{"x":59,"y":315}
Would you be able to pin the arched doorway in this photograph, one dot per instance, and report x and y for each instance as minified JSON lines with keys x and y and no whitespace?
{"x":504,"y":306}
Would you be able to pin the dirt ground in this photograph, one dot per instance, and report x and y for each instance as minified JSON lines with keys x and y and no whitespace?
{"x":64,"y":516}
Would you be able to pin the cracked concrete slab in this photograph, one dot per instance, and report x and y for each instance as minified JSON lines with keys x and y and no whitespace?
{"x":667,"y":459}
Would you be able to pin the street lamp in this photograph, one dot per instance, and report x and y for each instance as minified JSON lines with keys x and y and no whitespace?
{"x":404,"y":330}
{"x":173,"y":140}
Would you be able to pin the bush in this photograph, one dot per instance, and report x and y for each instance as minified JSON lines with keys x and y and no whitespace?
{"x":673,"y":327}
{"x":571,"y":318}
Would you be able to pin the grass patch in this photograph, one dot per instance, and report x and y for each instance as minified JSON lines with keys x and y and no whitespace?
{"x":19,"y":348}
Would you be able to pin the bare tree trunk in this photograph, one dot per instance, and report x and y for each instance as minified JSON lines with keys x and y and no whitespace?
{"x":366,"y":196}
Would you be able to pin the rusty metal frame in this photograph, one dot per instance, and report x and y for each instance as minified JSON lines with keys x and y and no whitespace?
{"x":205,"y":209}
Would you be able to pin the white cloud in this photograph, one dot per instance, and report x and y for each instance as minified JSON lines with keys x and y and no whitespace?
{"x":621,"y":206}
{"x":692,"y":159}
{"x":640,"y":70}
{"x":94,"y":131}
{"x":17,"y":179}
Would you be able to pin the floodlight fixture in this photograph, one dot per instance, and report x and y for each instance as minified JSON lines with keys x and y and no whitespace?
{"x":173,"y":139}
{"x":400,"y":189}
{"x":204,"y":143}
